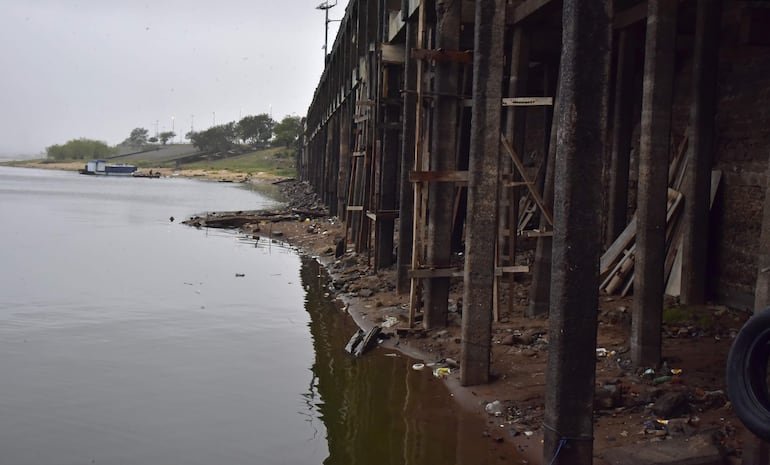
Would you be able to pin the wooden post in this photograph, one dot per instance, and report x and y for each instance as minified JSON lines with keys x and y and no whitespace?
{"x":442,"y":158}
{"x":344,"y":163}
{"x":406,"y":205}
{"x":697,"y":185}
{"x":482,"y":192}
{"x":571,"y":369}
{"x":653,"y":183}
{"x":515,"y":130}
{"x":389,"y":170}
{"x":622,"y":125}
{"x":540,"y":289}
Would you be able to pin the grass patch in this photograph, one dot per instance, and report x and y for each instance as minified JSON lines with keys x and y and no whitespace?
{"x":278,"y":161}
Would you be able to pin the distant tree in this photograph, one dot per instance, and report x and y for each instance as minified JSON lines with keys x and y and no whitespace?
{"x":215,"y":139}
{"x":166,"y":136}
{"x":153,"y":140}
{"x":256,"y":129}
{"x":288,"y":131}
{"x":79,"y":149}
{"x":137,"y":138}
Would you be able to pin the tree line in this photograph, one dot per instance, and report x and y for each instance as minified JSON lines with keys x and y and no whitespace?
{"x":255,"y":131}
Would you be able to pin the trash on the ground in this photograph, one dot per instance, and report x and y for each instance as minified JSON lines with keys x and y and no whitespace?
{"x":661,"y":379}
{"x":494,"y":408}
{"x":240,"y":275}
{"x":676,"y":371}
{"x":528,"y":433}
{"x":367,"y":342}
{"x":442,"y":372}
{"x":389,"y":322}
{"x":354,"y":341}
{"x":451,"y":363}
{"x":418,"y":366}
{"x":648,"y":373}
{"x":601,"y":352}
{"x":391,"y":354}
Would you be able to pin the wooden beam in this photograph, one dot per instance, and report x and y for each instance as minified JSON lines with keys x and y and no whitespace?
{"x":438,"y":176}
{"x":443,"y":56}
{"x":527,"y":9}
{"x":427,"y":273}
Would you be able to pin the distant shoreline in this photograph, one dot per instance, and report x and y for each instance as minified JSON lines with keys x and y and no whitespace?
{"x":211,"y":175}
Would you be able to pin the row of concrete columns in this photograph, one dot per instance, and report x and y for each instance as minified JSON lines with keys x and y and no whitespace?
{"x":565,"y":279}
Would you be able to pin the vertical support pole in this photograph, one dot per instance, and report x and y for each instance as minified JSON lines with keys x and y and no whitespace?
{"x":653,"y":183}
{"x":442,"y":158}
{"x":515,"y":130}
{"x":482,"y":192}
{"x":571,"y":369}
{"x":344,"y":171}
{"x":418,"y":210}
{"x":406,"y":205}
{"x":622,"y":126}
{"x":697,"y":185}
{"x":540,"y":289}
{"x":389,"y":168}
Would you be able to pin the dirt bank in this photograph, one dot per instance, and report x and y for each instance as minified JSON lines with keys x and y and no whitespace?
{"x":647,"y":409}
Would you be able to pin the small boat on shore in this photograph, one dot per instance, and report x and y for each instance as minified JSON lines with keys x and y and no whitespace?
{"x":101,"y":167}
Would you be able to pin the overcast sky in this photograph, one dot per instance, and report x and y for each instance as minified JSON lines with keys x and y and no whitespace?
{"x":100,"y":68}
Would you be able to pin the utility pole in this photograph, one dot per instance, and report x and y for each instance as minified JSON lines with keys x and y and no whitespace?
{"x":325,"y":6}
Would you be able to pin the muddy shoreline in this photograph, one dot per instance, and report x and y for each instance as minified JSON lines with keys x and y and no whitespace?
{"x":676,"y":405}
{"x":681,"y":401}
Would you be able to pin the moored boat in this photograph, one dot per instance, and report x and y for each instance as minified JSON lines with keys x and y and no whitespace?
{"x":108,"y":169}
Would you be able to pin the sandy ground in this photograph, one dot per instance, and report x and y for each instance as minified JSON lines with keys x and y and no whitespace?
{"x":631,"y":409}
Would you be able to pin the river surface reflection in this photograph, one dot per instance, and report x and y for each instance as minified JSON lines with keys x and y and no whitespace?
{"x":126,"y":338}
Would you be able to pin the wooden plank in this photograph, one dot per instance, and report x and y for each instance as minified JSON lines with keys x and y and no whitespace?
{"x":457,"y":56}
{"x":610,"y":256}
{"x":520,"y":166}
{"x":426,"y":273}
{"x":392,"y":53}
{"x":536,"y":233}
{"x":438,"y":176}
{"x":674,"y":282}
{"x":501,"y":270}
{"x":355,"y":208}
{"x":527,"y":101}
{"x":528,"y":8}
{"x":623,"y":19}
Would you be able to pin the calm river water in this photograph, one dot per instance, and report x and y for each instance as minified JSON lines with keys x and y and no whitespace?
{"x":126,"y":338}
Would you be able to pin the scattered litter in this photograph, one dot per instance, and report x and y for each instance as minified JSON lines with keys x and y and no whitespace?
{"x":367,"y":341}
{"x":494,"y":408}
{"x":601,"y":352}
{"x":418,"y":366}
{"x":528,"y":433}
{"x":354,"y":341}
{"x":391,"y":355}
{"x":442,"y":372}
{"x":389,"y":322}
{"x":676,"y":371}
{"x":240,"y":275}
{"x":661,"y":379}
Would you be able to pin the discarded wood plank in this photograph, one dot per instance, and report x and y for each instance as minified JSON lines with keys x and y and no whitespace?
{"x":625,"y":270}
{"x":614,"y":271}
{"x":674,"y":281}
{"x":615,"y":251}
{"x":354,"y":341}
{"x":368,"y":341}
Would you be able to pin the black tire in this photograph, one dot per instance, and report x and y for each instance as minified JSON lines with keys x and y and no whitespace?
{"x":747,"y":365}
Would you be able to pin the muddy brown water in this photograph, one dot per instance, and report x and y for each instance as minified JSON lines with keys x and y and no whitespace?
{"x":126,"y":338}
